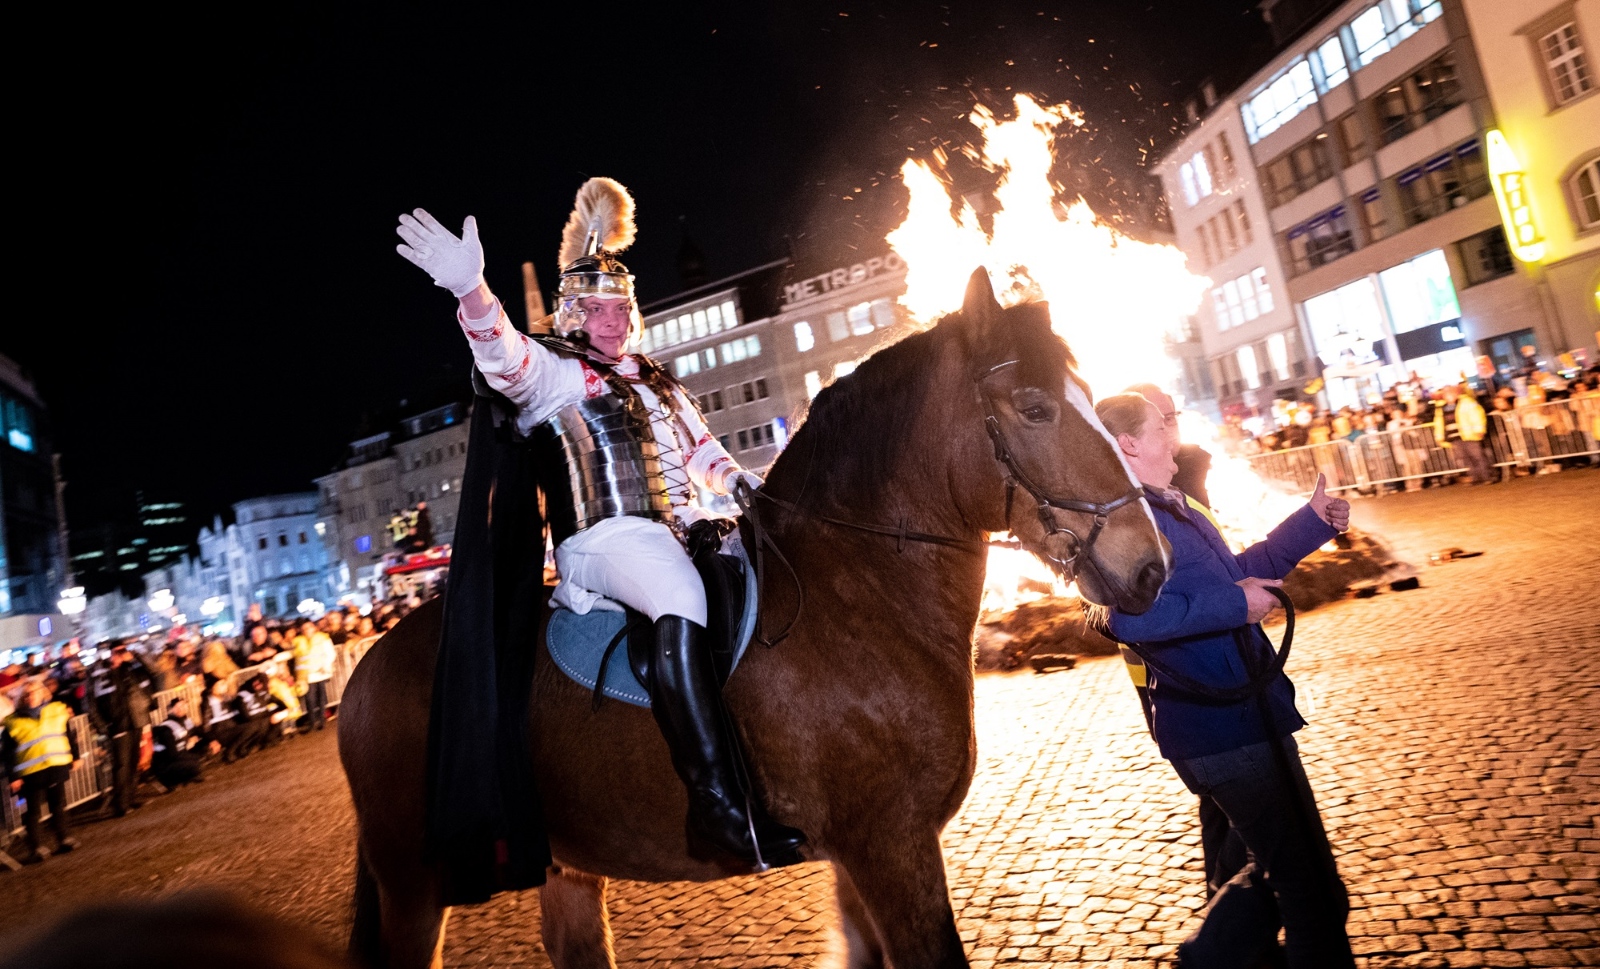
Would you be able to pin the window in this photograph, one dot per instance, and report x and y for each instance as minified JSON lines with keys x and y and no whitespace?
{"x":363,"y":543}
{"x":1263,"y":291}
{"x":1297,"y":170}
{"x":1278,"y":354}
{"x":1219,"y":308}
{"x":843,"y":369}
{"x":1321,"y":240}
{"x":749,"y":392}
{"x":726,"y":442}
{"x":1419,"y":292}
{"x":1352,"y":138}
{"x":1443,"y":183}
{"x":1417,"y":99}
{"x":1375,"y":214}
{"x":17,"y":418}
{"x":1246,"y":356}
{"x":1202,"y":174}
{"x":838,"y":328}
{"x":1186,"y":176}
{"x":813,"y":384}
{"x":1230,"y":294}
{"x":803,"y":338}
{"x":1225,"y":150}
{"x":1329,"y":63}
{"x":883,"y":313}
{"x":1205,"y":244}
{"x":1380,"y":27}
{"x":744,"y":440}
{"x":761,"y":388}
{"x":1230,"y":232}
{"x":688,"y":364}
{"x":860,"y":317}
{"x":1585,"y":187}
{"x":1242,"y":216}
{"x":261,"y":543}
{"x":1278,"y":101}
{"x":1565,"y":63}
{"x":302,"y":538}
{"x":1485,"y":256}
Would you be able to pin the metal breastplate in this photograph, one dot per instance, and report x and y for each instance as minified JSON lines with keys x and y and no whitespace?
{"x":611,"y":466}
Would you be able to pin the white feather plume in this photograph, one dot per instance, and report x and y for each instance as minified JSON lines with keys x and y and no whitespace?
{"x":604,"y":207}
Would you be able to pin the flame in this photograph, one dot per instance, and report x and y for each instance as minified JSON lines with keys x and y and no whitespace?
{"x":1113,"y":299}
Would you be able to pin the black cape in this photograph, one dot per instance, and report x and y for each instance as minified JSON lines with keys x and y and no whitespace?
{"x":486,"y":829}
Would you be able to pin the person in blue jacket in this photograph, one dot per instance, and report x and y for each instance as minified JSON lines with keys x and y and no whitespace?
{"x":1203,"y":628}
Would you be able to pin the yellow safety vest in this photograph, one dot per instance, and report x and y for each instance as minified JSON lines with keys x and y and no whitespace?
{"x":41,"y":742}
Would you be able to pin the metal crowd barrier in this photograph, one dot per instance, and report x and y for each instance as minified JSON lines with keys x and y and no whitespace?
{"x":1298,"y":467}
{"x":1523,"y":438}
{"x":91,"y":773}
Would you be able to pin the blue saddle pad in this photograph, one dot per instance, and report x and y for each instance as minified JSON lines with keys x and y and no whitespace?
{"x":578,"y":642}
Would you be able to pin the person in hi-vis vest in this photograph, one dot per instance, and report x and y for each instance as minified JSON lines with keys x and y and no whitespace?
{"x":37,"y":755}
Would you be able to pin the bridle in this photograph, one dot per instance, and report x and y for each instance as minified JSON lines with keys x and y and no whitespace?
{"x":762,"y":542}
{"x":1047,"y":503}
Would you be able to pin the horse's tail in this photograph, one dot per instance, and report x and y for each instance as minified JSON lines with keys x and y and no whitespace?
{"x":366,"y":931}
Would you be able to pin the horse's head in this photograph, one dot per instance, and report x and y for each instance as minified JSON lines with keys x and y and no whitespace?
{"x":1046,"y":470}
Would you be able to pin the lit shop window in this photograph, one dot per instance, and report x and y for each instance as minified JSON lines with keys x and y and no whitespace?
{"x":803,"y":337}
{"x":813,"y":384}
{"x":1419,"y":292}
{"x":1278,"y":353}
{"x":843,"y":369}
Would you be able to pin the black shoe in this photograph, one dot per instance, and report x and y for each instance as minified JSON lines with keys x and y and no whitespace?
{"x":36,"y":856}
{"x":67,"y":844}
{"x":688,"y":707}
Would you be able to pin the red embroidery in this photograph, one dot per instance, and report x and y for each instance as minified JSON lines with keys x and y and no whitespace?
{"x":594,"y":385}
{"x":515,"y":375}
{"x":704,"y":440}
{"x":490,"y":335}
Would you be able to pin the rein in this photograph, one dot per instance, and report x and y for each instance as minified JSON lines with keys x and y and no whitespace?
{"x":762,"y":540}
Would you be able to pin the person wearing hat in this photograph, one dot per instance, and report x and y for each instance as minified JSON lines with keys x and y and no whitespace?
{"x":619,"y":515}
{"x":37,"y":751}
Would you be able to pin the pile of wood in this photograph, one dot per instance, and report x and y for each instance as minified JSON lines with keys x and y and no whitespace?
{"x":1058,"y":625}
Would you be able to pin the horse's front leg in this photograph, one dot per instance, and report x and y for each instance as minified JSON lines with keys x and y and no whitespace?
{"x":862,"y":948}
{"x":573,"y":921}
{"x":899,"y":878}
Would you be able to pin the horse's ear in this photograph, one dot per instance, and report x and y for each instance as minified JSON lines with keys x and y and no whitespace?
{"x":980,"y":307}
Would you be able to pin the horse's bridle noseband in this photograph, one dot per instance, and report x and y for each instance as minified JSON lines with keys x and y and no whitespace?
{"x":1015,"y":476}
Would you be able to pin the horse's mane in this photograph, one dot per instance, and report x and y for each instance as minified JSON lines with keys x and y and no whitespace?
{"x":855,"y":431}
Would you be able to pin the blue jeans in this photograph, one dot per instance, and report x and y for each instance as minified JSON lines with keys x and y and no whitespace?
{"x":1291,"y":879}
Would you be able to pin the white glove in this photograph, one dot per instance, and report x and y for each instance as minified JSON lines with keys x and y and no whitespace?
{"x":750,"y":478}
{"x":455,"y":264}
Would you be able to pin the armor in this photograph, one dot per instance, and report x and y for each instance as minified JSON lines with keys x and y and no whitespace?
{"x":600,"y":461}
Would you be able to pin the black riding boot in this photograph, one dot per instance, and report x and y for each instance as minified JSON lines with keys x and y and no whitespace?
{"x":688,"y":707}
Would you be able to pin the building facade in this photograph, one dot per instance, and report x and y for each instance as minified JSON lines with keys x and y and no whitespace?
{"x":422,"y":459}
{"x":32,"y":561}
{"x":1252,"y":346}
{"x":755,"y":348}
{"x":1365,"y":148}
{"x":1538,"y":62}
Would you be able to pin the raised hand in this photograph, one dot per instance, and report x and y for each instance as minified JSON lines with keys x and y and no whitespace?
{"x":455,"y":264}
{"x":1334,"y":511}
{"x":1258,"y":601}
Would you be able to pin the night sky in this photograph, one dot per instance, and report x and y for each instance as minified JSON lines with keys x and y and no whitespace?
{"x":217,"y":197}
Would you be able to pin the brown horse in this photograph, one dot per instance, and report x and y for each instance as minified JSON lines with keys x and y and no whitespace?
{"x":859,"y":724}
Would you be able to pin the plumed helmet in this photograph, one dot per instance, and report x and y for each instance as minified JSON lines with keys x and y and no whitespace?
{"x":601,"y":225}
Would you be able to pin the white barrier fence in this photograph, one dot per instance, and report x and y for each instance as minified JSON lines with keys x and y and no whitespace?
{"x":1524,"y":438}
{"x":91,"y":773}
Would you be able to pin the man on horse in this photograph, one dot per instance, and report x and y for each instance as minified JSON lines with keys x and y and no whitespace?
{"x":622,"y":449}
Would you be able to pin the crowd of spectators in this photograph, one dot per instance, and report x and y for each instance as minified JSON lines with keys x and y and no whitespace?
{"x":1455,"y":415}
{"x":254,"y":691}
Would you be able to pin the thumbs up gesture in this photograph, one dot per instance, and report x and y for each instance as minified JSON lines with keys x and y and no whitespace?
{"x":1334,"y":511}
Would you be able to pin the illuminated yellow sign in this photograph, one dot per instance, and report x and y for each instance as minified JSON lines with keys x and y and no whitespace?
{"x":1516,"y":204}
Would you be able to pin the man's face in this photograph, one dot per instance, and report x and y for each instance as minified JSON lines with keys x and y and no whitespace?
{"x":607,"y":322}
{"x":1169,"y":415}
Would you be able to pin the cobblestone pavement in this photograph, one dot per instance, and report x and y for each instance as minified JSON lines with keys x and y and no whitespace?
{"x":1453,"y":745}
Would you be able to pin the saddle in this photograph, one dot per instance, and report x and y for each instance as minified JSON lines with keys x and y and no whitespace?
{"x":585,"y":647}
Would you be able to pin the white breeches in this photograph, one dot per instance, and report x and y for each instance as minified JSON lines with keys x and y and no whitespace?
{"x":635,"y":561}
